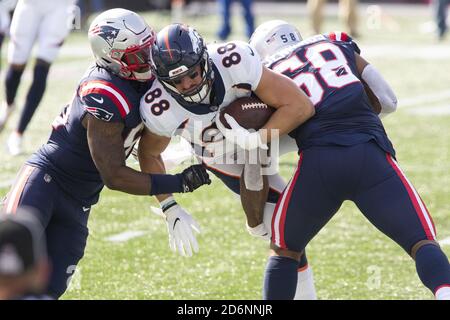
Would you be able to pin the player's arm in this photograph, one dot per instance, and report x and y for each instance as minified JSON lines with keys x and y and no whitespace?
{"x":381,"y":95}
{"x":292,"y":104}
{"x":149,"y":154}
{"x":106,"y":147}
{"x":293,"y":109}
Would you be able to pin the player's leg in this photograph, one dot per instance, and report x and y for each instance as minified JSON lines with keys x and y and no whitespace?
{"x":390,"y":202}
{"x":441,"y":17}
{"x":225,"y":11}
{"x":66,"y":240}
{"x":349,"y":16}
{"x":23,"y":32}
{"x":315,"y":8}
{"x":230,"y":176}
{"x":248,"y":17}
{"x":4,"y":26}
{"x":52,"y":30}
{"x":35,"y":94}
{"x":301,"y":212}
{"x":34,"y":190}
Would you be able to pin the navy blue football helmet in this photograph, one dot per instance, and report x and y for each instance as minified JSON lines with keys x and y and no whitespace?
{"x":178,"y":49}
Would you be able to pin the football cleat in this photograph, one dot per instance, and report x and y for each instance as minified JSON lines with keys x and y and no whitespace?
{"x":5,"y":113}
{"x":14,"y":143}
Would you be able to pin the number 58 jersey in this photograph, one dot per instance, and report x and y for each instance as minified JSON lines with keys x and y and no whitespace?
{"x":237,"y":70}
{"x":324,"y":67}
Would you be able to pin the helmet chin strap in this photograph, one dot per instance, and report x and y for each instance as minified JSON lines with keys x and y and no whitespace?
{"x":202,"y":95}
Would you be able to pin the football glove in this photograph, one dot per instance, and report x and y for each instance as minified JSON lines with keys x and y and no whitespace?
{"x":242,"y":137}
{"x":194,"y":177}
{"x":181,"y":226}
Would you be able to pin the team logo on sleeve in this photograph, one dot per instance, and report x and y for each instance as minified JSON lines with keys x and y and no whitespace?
{"x":100,"y":113}
{"x":108,"y":33}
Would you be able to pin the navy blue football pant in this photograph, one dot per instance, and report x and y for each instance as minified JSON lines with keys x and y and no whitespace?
{"x":232,"y":181}
{"x":364,"y":174}
{"x":64,"y":219}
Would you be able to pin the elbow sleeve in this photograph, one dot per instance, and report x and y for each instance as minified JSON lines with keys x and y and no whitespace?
{"x":380,"y":88}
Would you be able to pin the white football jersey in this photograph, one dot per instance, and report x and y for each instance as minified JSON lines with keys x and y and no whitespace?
{"x":237,"y":71}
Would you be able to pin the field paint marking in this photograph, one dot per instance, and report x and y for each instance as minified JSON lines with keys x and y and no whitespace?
{"x":125,"y":236}
{"x":431,"y":111}
{"x":426,"y":98}
{"x":445,"y":242}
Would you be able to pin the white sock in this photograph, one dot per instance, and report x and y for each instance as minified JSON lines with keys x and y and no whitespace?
{"x":305,"y":285}
{"x":443,"y":293}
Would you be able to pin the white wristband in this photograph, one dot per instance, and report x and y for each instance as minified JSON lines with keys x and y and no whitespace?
{"x":167,"y":203}
{"x":259,"y":230}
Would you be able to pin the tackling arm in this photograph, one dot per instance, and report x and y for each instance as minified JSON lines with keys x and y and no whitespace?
{"x":106,"y":146}
{"x":293,"y":106}
{"x":107,"y":151}
{"x":149,"y":153}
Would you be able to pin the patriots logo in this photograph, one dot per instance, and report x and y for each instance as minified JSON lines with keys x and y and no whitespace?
{"x":108,"y":33}
{"x":100,"y":113}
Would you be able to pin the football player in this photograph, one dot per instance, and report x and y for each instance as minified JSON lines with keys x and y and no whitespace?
{"x":46,"y":23}
{"x":193,"y":82}
{"x":6,"y":6}
{"x":345,"y":154}
{"x":90,"y":142}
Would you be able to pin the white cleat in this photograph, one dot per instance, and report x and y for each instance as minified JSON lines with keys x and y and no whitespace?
{"x":5,"y":112}
{"x":14,"y":143}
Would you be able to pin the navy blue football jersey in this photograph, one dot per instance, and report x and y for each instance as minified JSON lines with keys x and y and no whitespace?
{"x":66,"y":154}
{"x":324,"y":67}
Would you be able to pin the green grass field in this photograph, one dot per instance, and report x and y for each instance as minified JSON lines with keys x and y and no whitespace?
{"x":350,"y":258}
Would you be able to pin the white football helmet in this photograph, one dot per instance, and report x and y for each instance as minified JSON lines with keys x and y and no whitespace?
{"x":272,"y":36}
{"x":120,"y":41}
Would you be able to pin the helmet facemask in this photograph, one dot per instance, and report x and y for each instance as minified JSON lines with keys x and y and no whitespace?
{"x":134,"y":61}
{"x":200,"y":92}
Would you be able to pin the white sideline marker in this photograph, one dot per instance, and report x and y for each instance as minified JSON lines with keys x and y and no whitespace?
{"x":125,"y":236}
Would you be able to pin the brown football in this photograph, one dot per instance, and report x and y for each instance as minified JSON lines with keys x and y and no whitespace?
{"x":249,"y":112}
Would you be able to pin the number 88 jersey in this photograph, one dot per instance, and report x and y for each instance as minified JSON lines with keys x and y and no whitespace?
{"x":237,"y":70}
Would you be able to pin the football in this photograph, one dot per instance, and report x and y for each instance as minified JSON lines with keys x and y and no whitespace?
{"x":249,"y":112}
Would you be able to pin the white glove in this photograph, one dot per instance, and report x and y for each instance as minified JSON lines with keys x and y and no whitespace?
{"x":259,"y":231}
{"x":242,"y":137}
{"x":180,"y":226}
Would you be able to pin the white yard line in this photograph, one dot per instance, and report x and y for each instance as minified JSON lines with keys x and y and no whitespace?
{"x":445,"y":242}
{"x":431,"y":111}
{"x":424,"y":99}
{"x":126,"y":236}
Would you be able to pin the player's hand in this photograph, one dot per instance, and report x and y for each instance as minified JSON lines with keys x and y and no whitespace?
{"x":181,"y":226}
{"x":194,"y":177}
{"x":260,"y":231}
{"x":242,"y":137}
